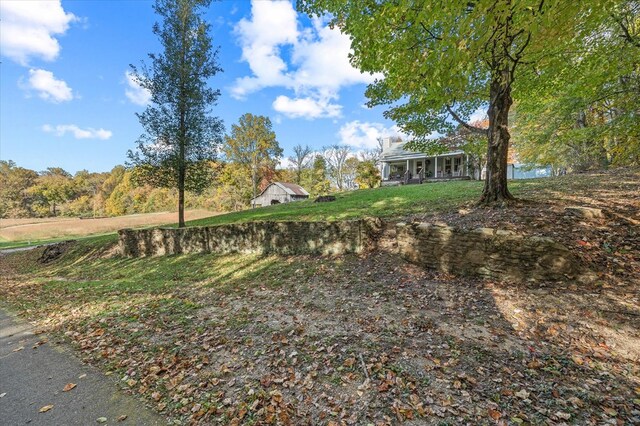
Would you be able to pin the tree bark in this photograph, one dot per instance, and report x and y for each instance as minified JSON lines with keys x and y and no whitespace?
{"x":181,"y":179}
{"x":254,"y":183}
{"x":495,"y":186}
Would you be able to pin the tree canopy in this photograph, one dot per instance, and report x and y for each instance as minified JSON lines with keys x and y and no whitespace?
{"x":441,"y":61}
{"x":180,"y":136}
{"x":253,"y":144}
{"x":586,"y":115}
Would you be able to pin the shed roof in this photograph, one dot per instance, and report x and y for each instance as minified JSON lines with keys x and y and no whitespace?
{"x":292,"y":188}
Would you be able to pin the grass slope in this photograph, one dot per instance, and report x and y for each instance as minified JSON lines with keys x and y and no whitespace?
{"x":246,"y":339}
{"x":379,"y":202}
{"x":425,"y":199}
{"x":388,"y":202}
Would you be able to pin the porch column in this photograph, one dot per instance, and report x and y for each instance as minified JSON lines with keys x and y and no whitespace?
{"x":466,"y":165}
{"x":408,"y":166}
{"x":435,"y":171}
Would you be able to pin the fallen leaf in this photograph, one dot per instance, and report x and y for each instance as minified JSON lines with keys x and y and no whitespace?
{"x":82,"y":376}
{"x":18,"y":349}
{"x":610,"y":412}
{"x":68,"y":387}
{"x":2,"y":394}
{"x":122,"y":418}
{"x":522,"y":394}
{"x":534,"y":364}
{"x":101,"y":420}
{"x":45,"y":408}
{"x":494,"y":414}
{"x":562,"y":415}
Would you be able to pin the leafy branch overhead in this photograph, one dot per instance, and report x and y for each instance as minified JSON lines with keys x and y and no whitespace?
{"x":441,"y":61}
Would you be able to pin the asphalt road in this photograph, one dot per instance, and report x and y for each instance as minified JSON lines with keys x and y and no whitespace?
{"x":33,"y":376}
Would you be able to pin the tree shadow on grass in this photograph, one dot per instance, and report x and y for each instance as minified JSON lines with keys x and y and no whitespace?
{"x":358,"y":338}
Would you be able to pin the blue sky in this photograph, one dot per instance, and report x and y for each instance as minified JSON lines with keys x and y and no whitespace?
{"x":65,"y":99}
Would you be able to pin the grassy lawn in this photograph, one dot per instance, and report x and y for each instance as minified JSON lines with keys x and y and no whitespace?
{"x":379,"y":202}
{"x":28,"y":243}
{"x":428,"y":198}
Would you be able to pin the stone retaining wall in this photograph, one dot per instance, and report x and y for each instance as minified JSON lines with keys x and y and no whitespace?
{"x":483,"y":252}
{"x":487,"y":253}
{"x":254,"y":237}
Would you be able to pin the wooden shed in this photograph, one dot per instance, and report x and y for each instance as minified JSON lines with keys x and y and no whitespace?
{"x":279,"y":192}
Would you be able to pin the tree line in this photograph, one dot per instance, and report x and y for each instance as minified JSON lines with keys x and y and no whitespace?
{"x":247,"y":166}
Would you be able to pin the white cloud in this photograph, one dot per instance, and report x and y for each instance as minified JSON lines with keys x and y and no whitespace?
{"x":273,"y":24}
{"x":364,"y":134}
{"x":48,"y":87}
{"x":306,"y":107}
{"x":313,"y":62}
{"x":134,"y":92}
{"x":29,"y":29}
{"x":77,"y":132}
{"x":479,"y":115}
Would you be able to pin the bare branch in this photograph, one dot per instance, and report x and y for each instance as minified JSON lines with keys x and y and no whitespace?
{"x":463,"y":123}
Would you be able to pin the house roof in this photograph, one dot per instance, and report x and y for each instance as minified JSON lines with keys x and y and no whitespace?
{"x":396,"y":151}
{"x":289,"y":188}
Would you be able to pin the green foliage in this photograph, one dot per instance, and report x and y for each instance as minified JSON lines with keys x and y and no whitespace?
{"x":234,"y":189}
{"x":367,"y":175}
{"x":180,"y":135}
{"x":252,"y":145}
{"x":52,"y":188}
{"x":585,"y":116}
{"x":120,"y":200}
{"x":315,"y":180}
{"x":443,"y":60}
{"x":15,"y":198}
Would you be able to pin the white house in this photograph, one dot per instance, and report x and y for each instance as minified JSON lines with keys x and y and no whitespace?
{"x":279,"y":192}
{"x":402,"y":166}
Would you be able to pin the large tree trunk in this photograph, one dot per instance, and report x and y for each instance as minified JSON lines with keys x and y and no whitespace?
{"x":181,"y":179}
{"x":495,"y":185}
{"x":254,"y":183}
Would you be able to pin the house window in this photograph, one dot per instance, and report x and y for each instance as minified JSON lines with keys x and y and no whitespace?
{"x":447,"y":166}
{"x":418,"y":167}
{"x":397,"y":170}
{"x":457,"y":164}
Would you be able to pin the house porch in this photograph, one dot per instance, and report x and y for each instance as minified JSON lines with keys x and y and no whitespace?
{"x":425,"y":168}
